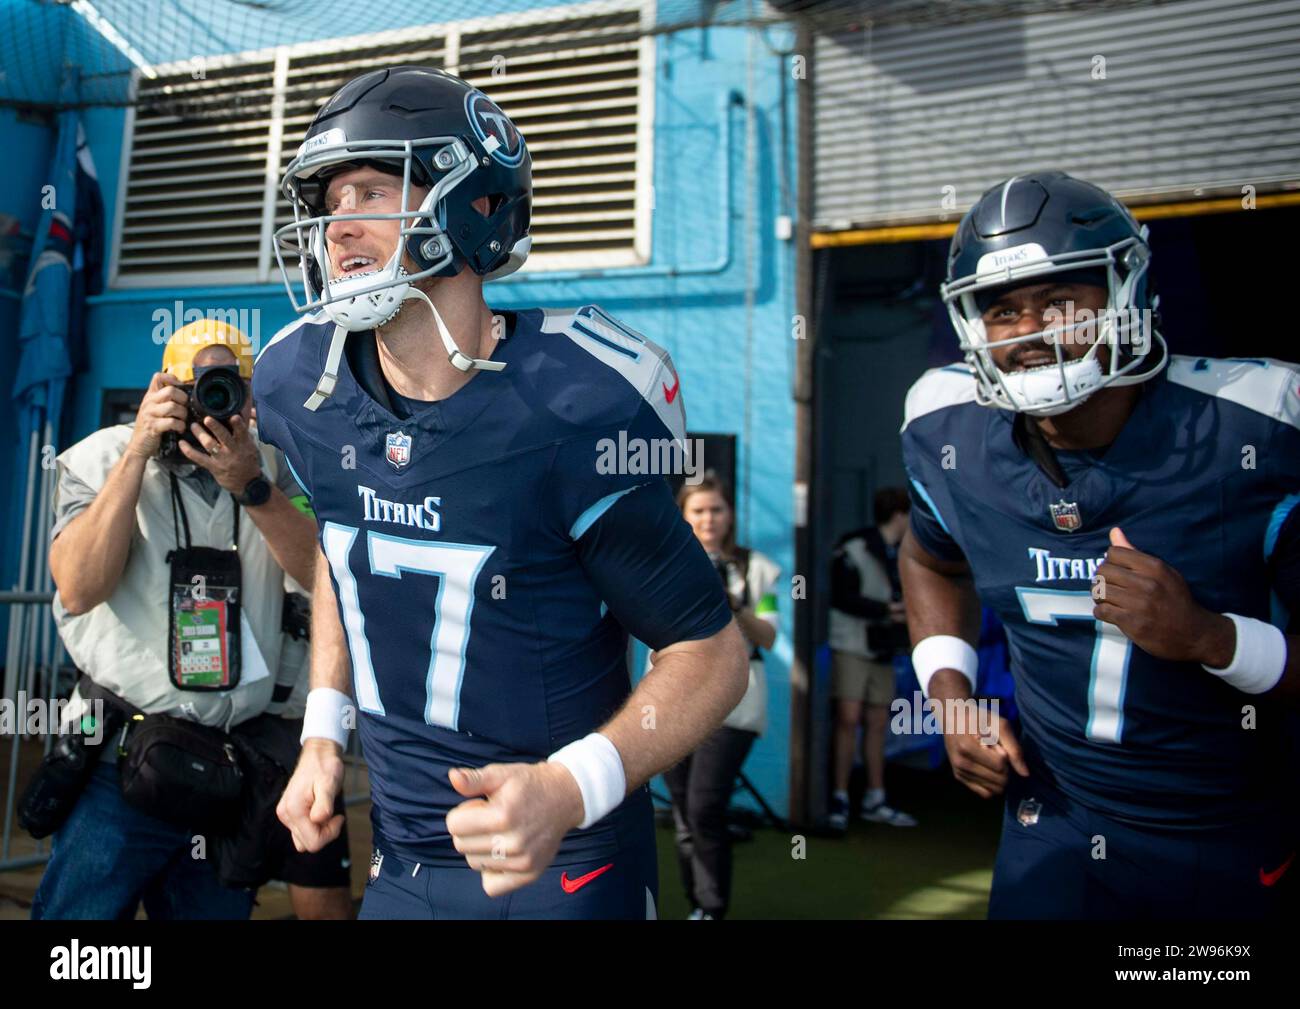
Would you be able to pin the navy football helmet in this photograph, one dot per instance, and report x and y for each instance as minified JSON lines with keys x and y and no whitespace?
{"x":432,"y":129}
{"x":1036,"y":226}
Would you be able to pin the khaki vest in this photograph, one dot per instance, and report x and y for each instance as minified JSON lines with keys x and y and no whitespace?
{"x":121,"y":644}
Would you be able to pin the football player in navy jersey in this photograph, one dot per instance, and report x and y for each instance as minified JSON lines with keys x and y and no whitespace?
{"x":1131,"y":515}
{"x":486,"y":552}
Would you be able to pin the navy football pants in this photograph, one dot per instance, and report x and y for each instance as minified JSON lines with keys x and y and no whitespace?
{"x":624,"y":885}
{"x":1052,"y":868}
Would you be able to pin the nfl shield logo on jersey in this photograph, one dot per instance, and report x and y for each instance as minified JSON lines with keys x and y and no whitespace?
{"x":397,"y":448}
{"x":1065,"y":514}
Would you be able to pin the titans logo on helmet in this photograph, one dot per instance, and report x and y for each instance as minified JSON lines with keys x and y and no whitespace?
{"x":489,"y":121}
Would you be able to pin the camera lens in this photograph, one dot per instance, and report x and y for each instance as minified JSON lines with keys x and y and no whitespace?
{"x":217,"y":398}
{"x":219,"y":393}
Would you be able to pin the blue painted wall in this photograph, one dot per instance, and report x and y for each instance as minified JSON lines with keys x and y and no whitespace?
{"x":39,"y":55}
{"x":27,"y":143}
{"x":735,"y":361}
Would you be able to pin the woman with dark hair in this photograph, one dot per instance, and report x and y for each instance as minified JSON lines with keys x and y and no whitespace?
{"x":702,"y":783}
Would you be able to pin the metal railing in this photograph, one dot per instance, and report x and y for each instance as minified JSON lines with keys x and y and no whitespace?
{"x":35,"y":669}
{"x":33,"y":665}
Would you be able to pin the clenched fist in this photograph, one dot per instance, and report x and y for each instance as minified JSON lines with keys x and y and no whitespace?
{"x":514,"y":821}
{"x":1150,"y":602}
{"x":307,"y":806}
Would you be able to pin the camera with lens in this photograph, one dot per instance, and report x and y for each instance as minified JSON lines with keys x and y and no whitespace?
{"x":218,"y":392}
{"x":295,"y":616}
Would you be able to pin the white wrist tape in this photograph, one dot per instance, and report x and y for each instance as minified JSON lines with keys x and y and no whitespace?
{"x":323,"y":718}
{"x":944,"y":651}
{"x":594,"y":762}
{"x":1259,"y":659}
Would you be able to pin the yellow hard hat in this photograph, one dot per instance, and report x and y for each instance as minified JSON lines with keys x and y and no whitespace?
{"x":184,"y":345}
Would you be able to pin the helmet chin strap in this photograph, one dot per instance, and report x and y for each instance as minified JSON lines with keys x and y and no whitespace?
{"x":330,"y":376}
{"x":459,"y":360}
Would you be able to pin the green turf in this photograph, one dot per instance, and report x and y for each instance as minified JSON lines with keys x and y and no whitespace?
{"x":939,"y":869}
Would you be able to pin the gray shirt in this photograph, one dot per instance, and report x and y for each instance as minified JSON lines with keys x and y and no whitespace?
{"x":73,"y":496}
{"x":109,"y":641}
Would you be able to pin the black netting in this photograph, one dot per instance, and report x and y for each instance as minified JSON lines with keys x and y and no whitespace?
{"x":84,"y":52}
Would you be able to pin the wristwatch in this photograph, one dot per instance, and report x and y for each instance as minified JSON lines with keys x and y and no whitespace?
{"x":257,"y":492}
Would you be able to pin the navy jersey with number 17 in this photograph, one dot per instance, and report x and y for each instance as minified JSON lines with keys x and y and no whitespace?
{"x":491,"y":551}
{"x":1202,"y":476}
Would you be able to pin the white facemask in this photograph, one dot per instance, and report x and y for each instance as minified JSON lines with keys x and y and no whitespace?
{"x":359,"y":312}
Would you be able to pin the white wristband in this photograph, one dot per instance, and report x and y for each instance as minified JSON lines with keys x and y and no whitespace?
{"x":323,"y":718}
{"x":594,"y":762}
{"x":944,"y":651}
{"x":1259,"y":658}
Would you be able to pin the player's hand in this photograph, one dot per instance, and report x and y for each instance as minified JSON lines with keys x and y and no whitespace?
{"x":516,"y":815}
{"x":230,"y":454}
{"x":1150,"y":602}
{"x":163,"y":409}
{"x":307,"y":806}
{"x":981,"y":763}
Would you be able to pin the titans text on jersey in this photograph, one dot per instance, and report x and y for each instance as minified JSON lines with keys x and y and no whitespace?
{"x":1202,"y":475}
{"x":487,"y":570}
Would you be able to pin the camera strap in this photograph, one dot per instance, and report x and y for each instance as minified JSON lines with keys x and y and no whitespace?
{"x":178,"y":508}
{"x":203,"y":625}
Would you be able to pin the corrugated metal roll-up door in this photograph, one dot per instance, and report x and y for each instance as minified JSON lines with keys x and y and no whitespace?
{"x":1198,"y":99}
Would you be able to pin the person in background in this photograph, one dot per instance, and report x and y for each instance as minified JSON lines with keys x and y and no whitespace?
{"x":319,"y":882}
{"x":124,"y":495}
{"x":702,"y":783}
{"x":867,"y":629}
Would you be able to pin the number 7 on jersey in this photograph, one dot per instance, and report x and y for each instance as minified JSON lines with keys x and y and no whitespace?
{"x":1110,"y":656}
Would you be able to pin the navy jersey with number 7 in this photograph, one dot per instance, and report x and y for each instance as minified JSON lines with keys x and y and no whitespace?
{"x":491,"y":551}
{"x":1203,"y":476}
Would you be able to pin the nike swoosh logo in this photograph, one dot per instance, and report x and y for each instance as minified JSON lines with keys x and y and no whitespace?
{"x":1269,"y":878}
{"x":574,"y":885}
{"x":671,"y":394}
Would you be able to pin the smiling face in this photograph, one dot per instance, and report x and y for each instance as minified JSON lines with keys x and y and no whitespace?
{"x":360,"y":246}
{"x":1038,"y":306}
{"x":357,"y":247}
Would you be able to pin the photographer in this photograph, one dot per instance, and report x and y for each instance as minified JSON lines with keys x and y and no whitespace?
{"x":867,"y":629}
{"x":170,"y":545}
